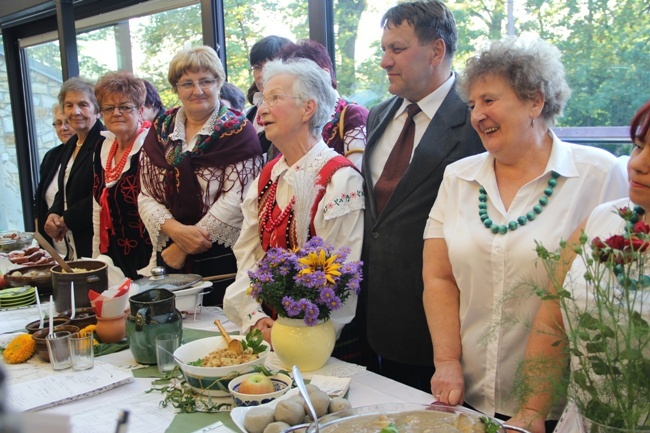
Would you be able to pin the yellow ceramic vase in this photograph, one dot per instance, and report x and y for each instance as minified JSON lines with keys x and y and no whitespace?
{"x":308,"y":347}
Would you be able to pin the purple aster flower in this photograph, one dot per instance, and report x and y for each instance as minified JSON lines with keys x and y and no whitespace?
{"x":334,"y":303}
{"x":290,"y":306}
{"x":326,"y":293}
{"x":311,"y":313}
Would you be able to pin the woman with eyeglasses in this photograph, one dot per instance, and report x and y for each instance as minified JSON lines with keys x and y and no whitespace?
{"x":48,"y":174}
{"x":118,"y":230}
{"x":69,"y":218}
{"x":310,"y":190}
{"x":198,"y":161}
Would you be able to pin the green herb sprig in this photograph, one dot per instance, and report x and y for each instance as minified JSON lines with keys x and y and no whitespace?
{"x":491,"y":426}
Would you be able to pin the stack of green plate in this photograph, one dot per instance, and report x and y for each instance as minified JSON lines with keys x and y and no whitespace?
{"x":17,"y":297}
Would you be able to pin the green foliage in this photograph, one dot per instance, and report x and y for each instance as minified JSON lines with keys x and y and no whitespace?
{"x":606,"y":321}
{"x":177,"y":393}
{"x":255,"y":341}
{"x":491,"y":426}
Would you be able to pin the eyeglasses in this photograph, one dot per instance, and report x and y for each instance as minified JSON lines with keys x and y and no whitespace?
{"x":59,"y":124}
{"x":203,"y":84}
{"x":273,"y":99}
{"x":256,"y":68}
{"x":121,"y":108}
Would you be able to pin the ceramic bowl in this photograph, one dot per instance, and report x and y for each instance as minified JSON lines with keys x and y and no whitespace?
{"x":83,"y":317}
{"x":32,"y":327}
{"x":281,"y":383}
{"x":212,"y":380}
{"x":39,"y":338}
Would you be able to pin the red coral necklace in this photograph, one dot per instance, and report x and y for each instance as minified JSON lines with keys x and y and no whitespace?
{"x":271,"y":223}
{"x":111,"y":174}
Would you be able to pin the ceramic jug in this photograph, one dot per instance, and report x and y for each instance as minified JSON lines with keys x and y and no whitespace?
{"x":153,"y":312}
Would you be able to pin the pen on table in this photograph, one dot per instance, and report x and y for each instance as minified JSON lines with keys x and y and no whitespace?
{"x":122,"y":422}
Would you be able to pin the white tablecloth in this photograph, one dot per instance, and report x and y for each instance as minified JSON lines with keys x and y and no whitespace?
{"x":98,"y":413}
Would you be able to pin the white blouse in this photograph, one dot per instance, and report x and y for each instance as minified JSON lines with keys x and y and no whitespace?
{"x":494,"y":272}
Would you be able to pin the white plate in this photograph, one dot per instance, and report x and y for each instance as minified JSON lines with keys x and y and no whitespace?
{"x":239,"y":413}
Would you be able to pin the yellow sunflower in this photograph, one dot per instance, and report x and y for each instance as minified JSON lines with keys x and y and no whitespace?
{"x":317,"y":261}
{"x":20,"y":349}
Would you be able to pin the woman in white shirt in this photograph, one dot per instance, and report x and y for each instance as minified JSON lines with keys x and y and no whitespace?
{"x":491,"y":207}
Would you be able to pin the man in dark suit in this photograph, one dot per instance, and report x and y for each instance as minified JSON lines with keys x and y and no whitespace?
{"x":419,"y":41}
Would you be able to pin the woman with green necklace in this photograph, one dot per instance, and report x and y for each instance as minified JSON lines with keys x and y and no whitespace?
{"x":490,"y":210}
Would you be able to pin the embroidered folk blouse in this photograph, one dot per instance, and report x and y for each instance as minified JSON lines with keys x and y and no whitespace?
{"x":338,"y":220}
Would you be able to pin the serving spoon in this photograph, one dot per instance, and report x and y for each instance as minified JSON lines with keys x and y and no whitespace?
{"x":234,"y":345}
{"x":52,"y":251}
{"x":297,"y":376}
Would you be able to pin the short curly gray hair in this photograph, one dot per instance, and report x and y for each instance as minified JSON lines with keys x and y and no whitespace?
{"x":529,"y":65}
{"x":311,"y":82}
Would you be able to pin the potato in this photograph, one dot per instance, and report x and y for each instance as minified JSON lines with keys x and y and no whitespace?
{"x":338,"y":404}
{"x":276,"y":427}
{"x":298,"y":399}
{"x":257,"y":419}
{"x":290,"y":412}
{"x":319,"y":399}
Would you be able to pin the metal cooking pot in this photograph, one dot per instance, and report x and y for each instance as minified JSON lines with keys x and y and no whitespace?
{"x":328,"y":423}
{"x":161,"y":280}
{"x":95,"y":278}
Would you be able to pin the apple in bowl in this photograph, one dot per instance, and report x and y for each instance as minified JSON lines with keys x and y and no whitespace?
{"x":253,"y":389}
{"x":256,"y":383}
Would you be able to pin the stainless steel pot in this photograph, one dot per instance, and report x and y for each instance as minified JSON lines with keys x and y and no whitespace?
{"x":340,"y":420}
{"x":161,"y":280}
{"x":95,"y":278}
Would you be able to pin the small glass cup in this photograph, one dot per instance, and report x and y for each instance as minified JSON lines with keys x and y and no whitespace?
{"x":59,"y":350}
{"x":81,"y":351}
{"x":166,"y":344}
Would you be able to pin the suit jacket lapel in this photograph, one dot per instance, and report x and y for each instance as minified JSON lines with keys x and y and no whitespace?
{"x":383,"y":118}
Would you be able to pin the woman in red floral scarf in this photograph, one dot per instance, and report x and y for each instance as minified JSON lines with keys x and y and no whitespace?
{"x":198,"y":161}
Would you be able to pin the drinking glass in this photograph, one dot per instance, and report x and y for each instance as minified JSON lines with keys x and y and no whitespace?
{"x":81,"y":351}
{"x":57,"y":346}
{"x":166,"y":344}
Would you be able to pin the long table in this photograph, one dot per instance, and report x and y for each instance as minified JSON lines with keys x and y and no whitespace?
{"x":99,"y":413}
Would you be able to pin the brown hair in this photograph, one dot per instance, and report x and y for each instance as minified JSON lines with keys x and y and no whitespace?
{"x":121,"y":83}
{"x":640,"y":124}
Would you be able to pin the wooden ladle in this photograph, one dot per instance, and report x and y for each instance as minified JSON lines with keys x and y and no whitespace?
{"x":234,"y":345}
{"x":52,"y":251}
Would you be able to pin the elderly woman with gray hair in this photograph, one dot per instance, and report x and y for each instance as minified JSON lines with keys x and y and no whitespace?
{"x":69,"y":218}
{"x":528,"y":186}
{"x":297,"y":101}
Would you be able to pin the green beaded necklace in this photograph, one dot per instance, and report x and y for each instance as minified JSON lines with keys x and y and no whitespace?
{"x":522,"y":220}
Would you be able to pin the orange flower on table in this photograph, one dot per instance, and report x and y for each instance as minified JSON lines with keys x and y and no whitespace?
{"x":20,"y":349}
{"x":89,"y":330}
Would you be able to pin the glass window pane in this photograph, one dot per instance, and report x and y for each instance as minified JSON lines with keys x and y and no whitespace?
{"x":11,"y":215}
{"x":247,"y":23}
{"x":155,"y":40}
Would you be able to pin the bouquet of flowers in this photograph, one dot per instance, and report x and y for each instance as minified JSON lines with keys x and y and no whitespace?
{"x":605,"y":301}
{"x":305,"y":284}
